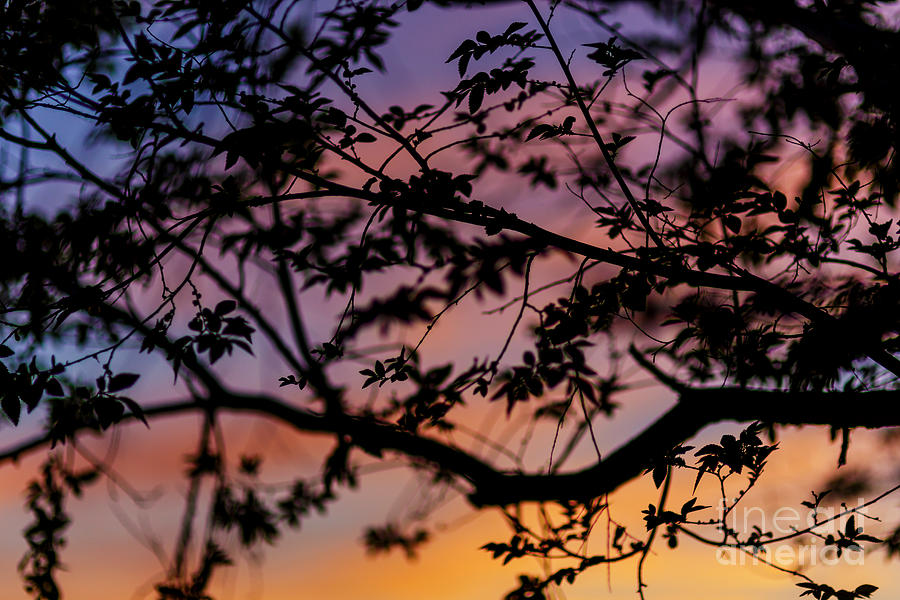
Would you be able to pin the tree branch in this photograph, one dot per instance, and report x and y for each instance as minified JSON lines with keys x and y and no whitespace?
{"x":695,"y":410}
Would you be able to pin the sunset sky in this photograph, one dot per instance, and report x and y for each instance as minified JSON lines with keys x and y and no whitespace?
{"x":325,"y":558}
{"x":107,"y":554}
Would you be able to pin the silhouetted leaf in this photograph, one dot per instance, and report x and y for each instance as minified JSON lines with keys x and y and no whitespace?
{"x":122,"y":381}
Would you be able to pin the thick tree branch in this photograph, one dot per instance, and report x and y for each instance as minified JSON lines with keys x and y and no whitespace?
{"x":695,"y":410}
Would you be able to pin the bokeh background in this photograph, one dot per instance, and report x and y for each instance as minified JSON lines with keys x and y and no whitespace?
{"x":124,"y":528}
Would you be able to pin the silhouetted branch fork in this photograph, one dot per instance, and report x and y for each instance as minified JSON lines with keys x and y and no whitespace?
{"x":799,"y":532}
{"x":695,"y":409}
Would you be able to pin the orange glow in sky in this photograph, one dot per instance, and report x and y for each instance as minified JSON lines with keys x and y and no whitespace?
{"x":114,"y":544}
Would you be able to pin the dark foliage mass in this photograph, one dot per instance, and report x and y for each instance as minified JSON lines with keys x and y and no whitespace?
{"x":210,"y":183}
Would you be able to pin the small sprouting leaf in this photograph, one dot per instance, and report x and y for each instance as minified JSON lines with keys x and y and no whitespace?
{"x":53,"y":387}
{"x":135,"y":409}
{"x":224,"y":307}
{"x":108,"y":410}
{"x":12,"y":406}
{"x":513,"y":27}
{"x":476,"y":96}
{"x":691,"y":506}
{"x":217,"y":351}
{"x":463,"y":64}
{"x":659,"y":474}
{"x":122,"y":381}
{"x":850,"y":529}
{"x":865,"y":590}
{"x":543,"y":131}
{"x":464,"y":49}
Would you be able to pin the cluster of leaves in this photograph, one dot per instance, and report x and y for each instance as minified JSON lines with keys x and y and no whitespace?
{"x":359,"y":29}
{"x":568,"y":538}
{"x":213,"y":557}
{"x":654,"y":518}
{"x":546,"y":131}
{"x":398,"y":117}
{"x":485,"y":43}
{"x":659,"y":467}
{"x":562,"y":338}
{"x":254,"y":521}
{"x":257,"y":518}
{"x":26,"y":385}
{"x":747,"y":451}
{"x":389,"y":371}
{"x":384,"y":539}
{"x":850,"y":537}
{"x":824,"y":592}
{"x":217,"y":334}
{"x":612,"y":56}
{"x":97,"y":408}
{"x":432,"y":396}
{"x":487,"y":83}
{"x":45,"y":535}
